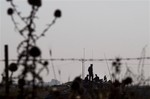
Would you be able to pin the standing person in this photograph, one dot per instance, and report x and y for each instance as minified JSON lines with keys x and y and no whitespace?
{"x":105,"y":78}
{"x":90,"y":70}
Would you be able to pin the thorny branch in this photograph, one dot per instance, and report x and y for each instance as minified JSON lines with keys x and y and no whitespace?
{"x":29,"y":54}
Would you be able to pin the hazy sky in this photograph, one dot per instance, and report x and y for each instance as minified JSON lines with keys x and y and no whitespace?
{"x":114,"y":28}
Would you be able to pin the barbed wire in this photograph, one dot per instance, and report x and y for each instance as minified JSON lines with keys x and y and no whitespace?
{"x":82,"y":59}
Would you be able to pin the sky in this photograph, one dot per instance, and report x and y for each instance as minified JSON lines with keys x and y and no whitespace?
{"x":101,"y":27}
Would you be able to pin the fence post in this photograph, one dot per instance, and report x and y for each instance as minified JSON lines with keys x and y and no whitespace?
{"x":6,"y":71}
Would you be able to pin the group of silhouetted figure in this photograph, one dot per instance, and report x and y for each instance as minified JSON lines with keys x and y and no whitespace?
{"x":90,"y":76}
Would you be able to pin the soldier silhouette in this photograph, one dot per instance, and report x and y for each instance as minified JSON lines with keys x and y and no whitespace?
{"x":86,"y":78}
{"x":90,"y":70}
{"x":96,"y":79}
{"x":105,"y":78}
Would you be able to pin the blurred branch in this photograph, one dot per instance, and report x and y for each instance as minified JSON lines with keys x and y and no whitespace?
{"x":46,"y":29}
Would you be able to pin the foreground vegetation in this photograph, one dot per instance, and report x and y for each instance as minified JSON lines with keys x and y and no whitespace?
{"x":81,"y":89}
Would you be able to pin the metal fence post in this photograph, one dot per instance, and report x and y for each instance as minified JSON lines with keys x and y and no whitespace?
{"x":6,"y":70}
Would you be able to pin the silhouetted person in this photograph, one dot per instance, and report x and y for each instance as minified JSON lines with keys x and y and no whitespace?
{"x":96,"y":79}
{"x":105,"y":78}
{"x":3,"y":78}
{"x":90,"y":70}
{"x":86,"y":78}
